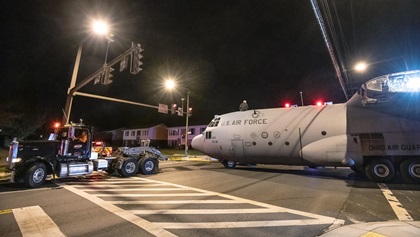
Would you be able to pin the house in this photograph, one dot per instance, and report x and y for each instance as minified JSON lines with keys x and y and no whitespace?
{"x":176,"y":135}
{"x":161,"y":135}
{"x":156,"y":134}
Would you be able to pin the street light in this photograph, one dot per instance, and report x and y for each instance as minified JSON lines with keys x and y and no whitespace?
{"x":360,"y":67}
{"x":171,"y":84}
{"x":99,"y":28}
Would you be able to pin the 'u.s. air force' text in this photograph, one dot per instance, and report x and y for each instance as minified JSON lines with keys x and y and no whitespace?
{"x":244,"y":122}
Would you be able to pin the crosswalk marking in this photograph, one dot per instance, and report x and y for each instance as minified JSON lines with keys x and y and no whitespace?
{"x":241,"y":224}
{"x":203,"y":211}
{"x":137,"y":188}
{"x":34,"y":222}
{"x":152,"y":194}
{"x":185,"y":201}
{"x":136,"y":220}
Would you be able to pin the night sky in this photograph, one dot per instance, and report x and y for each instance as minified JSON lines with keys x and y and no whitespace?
{"x":222,"y":51}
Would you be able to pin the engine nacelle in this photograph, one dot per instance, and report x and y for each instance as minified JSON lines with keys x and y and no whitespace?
{"x":75,"y":169}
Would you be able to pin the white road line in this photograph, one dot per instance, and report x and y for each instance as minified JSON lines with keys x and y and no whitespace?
{"x":140,"y":222}
{"x":153,"y":195}
{"x":241,"y":224}
{"x":320,"y":218}
{"x":203,"y":211}
{"x":106,"y":185}
{"x":130,"y":189}
{"x":401,"y":212}
{"x":34,"y":222}
{"x":159,"y":202}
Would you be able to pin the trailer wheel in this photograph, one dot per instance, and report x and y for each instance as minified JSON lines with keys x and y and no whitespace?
{"x":35,"y":175}
{"x":147,"y":165}
{"x":410,"y":170}
{"x":381,"y":170}
{"x":128,"y":168}
{"x":229,"y":164}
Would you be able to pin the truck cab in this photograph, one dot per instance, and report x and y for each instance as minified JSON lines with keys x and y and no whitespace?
{"x":68,"y":152}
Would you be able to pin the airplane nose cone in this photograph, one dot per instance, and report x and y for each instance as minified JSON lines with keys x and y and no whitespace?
{"x":197,"y":142}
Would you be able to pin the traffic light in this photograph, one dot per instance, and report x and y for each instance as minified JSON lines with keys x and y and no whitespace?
{"x":189,"y":112}
{"x":136,"y":59}
{"x":173,"y":108}
{"x":106,"y":77}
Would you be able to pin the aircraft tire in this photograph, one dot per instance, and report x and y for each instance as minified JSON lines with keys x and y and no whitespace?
{"x":35,"y":175}
{"x":380,"y":170}
{"x":229,"y":164}
{"x":410,"y":170}
{"x":129,"y":168}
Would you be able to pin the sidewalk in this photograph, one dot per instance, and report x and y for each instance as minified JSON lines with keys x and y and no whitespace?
{"x":378,"y":229}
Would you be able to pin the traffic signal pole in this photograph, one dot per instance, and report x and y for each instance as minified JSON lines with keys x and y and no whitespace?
{"x":102,"y":74}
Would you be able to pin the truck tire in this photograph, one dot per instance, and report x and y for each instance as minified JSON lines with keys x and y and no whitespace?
{"x":147,"y":165}
{"x":35,"y":175}
{"x":410,"y":170}
{"x":128,"y":168}
{"x":380,"y":170}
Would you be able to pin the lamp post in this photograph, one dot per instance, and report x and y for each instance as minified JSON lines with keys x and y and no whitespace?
{"x":186,"y":123}
{"x":99,"y":28}
{"x":170,"y":84}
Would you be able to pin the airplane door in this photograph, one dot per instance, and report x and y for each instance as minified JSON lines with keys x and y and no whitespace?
{"x":237,"y":148}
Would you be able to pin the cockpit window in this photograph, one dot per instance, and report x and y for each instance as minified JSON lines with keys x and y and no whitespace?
{"x":214,"y":122}
{"x":397,"y":82}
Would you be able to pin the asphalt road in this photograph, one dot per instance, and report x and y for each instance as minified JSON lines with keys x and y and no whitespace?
{"x":204,"y":199}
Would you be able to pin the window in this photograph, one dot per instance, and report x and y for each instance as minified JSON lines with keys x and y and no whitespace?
{"x":202,"y":130}
{"x":133,"y":133}
{"x":138,"y":133}
{"x":214,"y":122}
{"x":127,"y":133}
{"x":192,"y":130}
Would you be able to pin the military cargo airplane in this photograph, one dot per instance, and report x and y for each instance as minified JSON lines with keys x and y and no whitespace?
{"x":376,"y":132}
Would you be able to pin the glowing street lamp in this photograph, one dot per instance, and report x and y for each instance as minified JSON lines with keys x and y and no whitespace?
{"x":99,"y":28}
{"x":360,"y":67}
{"x":171,"y":84}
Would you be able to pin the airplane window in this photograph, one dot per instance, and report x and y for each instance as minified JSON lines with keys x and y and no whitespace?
{"x":208,"y":135}
{"x":214,"y":122}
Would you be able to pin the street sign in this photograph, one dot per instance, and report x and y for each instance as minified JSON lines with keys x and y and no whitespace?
{"x":163,"y":108}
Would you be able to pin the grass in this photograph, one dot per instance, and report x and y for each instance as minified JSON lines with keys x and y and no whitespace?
{"x":171,"y":152}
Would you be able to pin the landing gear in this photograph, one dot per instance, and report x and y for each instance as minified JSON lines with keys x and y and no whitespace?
{"x":410,"y":170}
{"x":229,"y":164}
{"x":380,"y":170}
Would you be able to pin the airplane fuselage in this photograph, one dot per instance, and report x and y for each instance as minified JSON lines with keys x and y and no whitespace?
{"x":352,"y":134}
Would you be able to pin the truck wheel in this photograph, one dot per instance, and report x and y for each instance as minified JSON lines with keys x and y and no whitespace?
{"x":410,"y":170}
{"x":35,"y":175}
{"x":381,"y":171}
{"x":147,"y":165}
{"x":128,"y":168}
{"x":229,"y":164}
